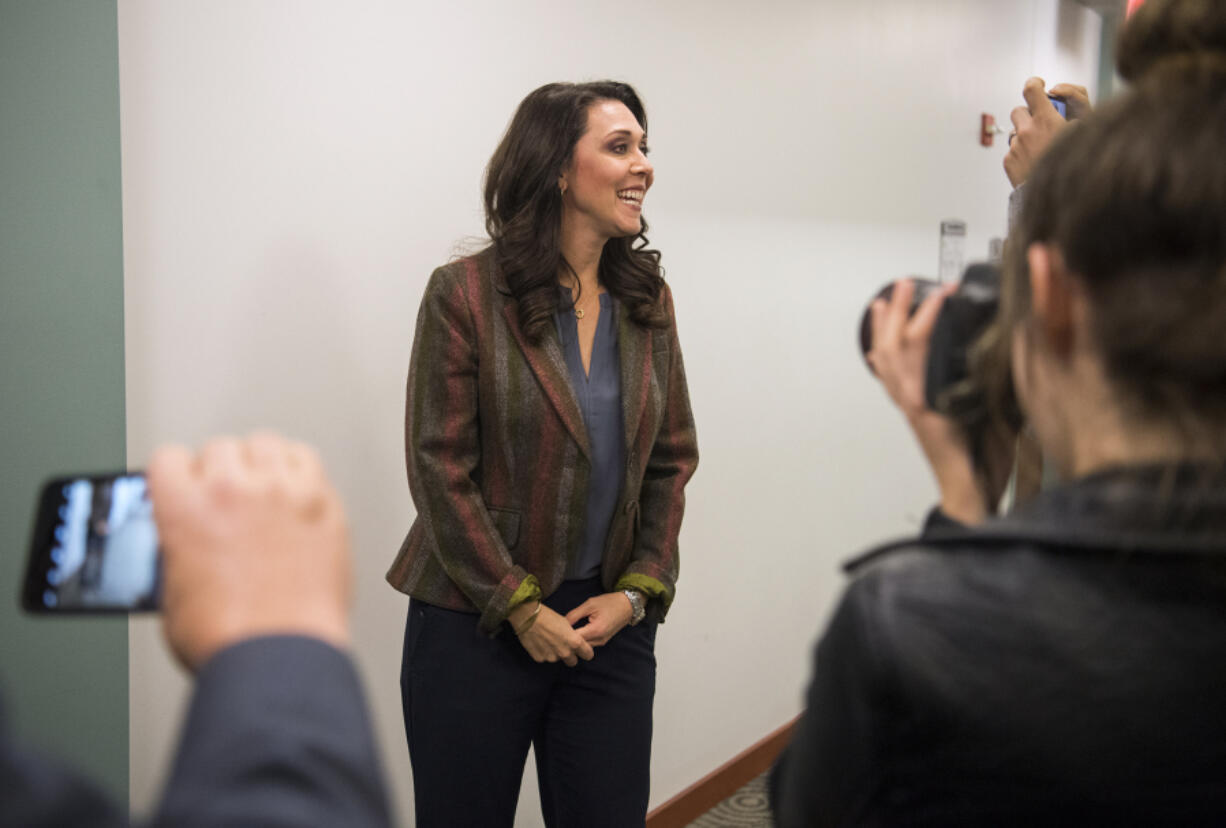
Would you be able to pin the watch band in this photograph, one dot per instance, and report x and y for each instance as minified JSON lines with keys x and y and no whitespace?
{"x":638,"y":608}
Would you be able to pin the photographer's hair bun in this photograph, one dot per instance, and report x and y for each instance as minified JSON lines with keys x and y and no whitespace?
{"x":1164,"y":29}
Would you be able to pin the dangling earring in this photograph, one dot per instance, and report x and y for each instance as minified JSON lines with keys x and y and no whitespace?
{"x":562,"y":187}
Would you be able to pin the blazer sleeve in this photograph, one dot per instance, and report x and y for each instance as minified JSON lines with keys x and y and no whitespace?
{"x":277,"y":734}
{"x":654,"y":563}
{"x":443,"y":453}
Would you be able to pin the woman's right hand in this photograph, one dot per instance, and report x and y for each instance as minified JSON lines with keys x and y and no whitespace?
{"x":550,"y":637}
{"x":899,"y":357}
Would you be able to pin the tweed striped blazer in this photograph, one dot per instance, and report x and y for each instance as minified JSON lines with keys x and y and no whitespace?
{"x":498,"y":457}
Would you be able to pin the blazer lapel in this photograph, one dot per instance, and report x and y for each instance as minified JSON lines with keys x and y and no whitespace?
{"x":549,"y":365}
{"x":634,"y":350}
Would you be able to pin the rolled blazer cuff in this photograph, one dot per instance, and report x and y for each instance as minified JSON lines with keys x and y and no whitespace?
{"x":500,"y":603}
{"x":529,"y":590}
{"x":659,"y":594}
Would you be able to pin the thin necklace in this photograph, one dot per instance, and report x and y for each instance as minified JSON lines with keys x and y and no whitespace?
{"x":579,"y":312}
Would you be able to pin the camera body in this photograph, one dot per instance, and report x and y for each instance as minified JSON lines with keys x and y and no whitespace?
{"x":964,"y":317}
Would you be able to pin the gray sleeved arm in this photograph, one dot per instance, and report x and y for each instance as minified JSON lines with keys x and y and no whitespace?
{"x":277,"y":735}
{"x":1016,"y":199}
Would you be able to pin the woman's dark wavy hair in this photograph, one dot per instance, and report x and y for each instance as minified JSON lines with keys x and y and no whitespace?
{"x":523,"y":208}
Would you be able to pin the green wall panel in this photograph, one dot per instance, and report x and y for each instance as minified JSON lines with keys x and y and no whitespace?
{"x":64,"y":681}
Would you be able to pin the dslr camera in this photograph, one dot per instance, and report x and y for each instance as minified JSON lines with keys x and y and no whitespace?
{"x":949,"y":386}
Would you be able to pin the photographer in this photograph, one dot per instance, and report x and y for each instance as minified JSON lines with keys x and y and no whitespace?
{"x":971,"y":465}
{"x":1062,"y":664}
{"x":255,"y":604}
{"x":971,"y":479}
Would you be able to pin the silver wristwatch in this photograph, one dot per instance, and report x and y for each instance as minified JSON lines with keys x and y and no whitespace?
{"x":638,"y":607}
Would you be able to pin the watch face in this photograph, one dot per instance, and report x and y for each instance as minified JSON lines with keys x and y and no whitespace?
{"x":637,"y":610}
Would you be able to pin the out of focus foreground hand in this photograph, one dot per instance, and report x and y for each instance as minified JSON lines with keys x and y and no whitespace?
{"x":254,"y":542}
{"x":899,"y":357}
{"x":1036,"y":124}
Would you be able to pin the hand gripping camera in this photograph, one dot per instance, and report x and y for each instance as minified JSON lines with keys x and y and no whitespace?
{"x":950,"y":387}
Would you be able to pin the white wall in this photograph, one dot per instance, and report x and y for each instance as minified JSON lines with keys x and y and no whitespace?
{"x":293,"y":171}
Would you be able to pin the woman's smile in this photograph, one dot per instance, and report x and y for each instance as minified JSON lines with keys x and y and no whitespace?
{"x":632,"y":198}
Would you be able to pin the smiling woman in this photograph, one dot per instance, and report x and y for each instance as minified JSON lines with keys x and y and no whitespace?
{"x":604,"y":184}
{"x":563,"y":130}
{"x":549,"y":441}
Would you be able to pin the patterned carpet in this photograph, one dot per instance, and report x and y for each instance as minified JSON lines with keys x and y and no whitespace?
{"x":747,"y":808}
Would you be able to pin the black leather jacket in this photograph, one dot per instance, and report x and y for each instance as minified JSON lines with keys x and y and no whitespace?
{"x":1064,"y":665}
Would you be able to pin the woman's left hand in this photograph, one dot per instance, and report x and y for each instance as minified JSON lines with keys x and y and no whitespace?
{"x":1036,"y":124}
{"x":606,"y":614}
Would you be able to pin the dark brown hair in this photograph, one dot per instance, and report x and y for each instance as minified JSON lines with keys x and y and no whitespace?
{"x":1134,"y":198}
{"x":523,"y":208}
{"x":1162,"y":28}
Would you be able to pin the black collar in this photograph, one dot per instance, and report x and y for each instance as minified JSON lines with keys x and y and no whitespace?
{"x":1136,"y":510}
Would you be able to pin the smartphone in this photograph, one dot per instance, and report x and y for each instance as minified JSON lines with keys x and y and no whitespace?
{"x":1060,"y":106}
{"x":94,"y":546}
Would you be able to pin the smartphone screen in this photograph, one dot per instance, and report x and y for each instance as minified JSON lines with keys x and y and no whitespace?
{"x":94,"y":546}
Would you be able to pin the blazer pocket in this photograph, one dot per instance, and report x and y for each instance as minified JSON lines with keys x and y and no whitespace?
{"x":622,"y":535}
{"x":506,"y":521}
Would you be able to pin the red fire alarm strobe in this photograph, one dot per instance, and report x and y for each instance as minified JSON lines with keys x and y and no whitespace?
{"x":987,"y":129}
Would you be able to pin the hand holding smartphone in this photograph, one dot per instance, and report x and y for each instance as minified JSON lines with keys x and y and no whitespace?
{"x":94,"y":547}
{"x":250,"y":539}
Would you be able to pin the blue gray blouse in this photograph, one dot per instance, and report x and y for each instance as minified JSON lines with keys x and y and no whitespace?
{"x":599,"y":393}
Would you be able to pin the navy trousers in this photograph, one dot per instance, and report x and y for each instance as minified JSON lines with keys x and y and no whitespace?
{"x":473,"y":705}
